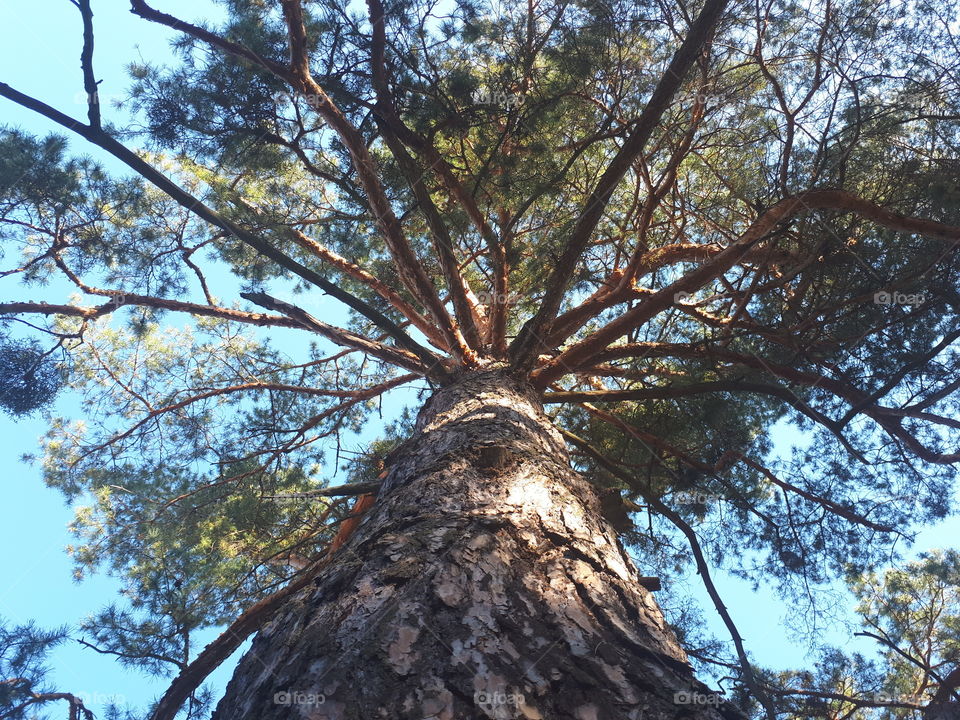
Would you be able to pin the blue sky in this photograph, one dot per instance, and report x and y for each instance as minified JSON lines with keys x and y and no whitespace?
{"x":39,"y":54}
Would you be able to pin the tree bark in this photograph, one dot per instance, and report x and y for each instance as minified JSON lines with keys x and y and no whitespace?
{"x":485,"y":583}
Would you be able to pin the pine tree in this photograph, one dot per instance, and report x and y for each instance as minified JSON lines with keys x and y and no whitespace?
{"x":614,"y":245}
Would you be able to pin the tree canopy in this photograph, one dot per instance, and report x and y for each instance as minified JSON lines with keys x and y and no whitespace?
{"x":690,"y":225}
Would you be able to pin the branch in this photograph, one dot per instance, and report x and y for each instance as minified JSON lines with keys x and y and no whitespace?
{"x":277,"y":387}
{"x":944,"y":686}
{"x":387,"y":117}
{"x":210,"y":658}
{"x":348,"y":490}
{"x":138,"y":656}
{"x":889,"y":419}
{"x":343,"y":337}
{"x":674,"y":391}
{"x":524,"y":349}
{"x":858,"y":702}
{"x":86,"y":64}
{"x":148,"y":172}
{"x":618,"y":288}
{"x":816,"y":499}
{"x":948,"y":686}
{"x":373,"y":282}
{"x":398,"y":134}
{"x":121,"y":299}
{"x":76,"y":705}
{"x":410,"y":270}
{"x":899,"y":375}
{"x":578,"y":353}
{"x":142,"y":9}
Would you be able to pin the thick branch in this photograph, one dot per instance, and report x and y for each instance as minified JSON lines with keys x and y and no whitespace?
{"x":86,"y":65}
{"x":343,"y":337}
{"x":220,"y":649}
{"x":948,"y":686}
{"x":525,"y":348}
{"x":578,"y":353}
{"x":148,"y":172}
{"x":409,"y":268}
{"x":76,"y":705}
{"x":619,"y":287}
{"x":387,"y":118}
{"x":398,"y":134}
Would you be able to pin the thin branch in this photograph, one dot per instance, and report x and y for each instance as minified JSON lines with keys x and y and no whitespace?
{"x":133,"y":656}
{"x":348,"y":490}
{"x":210,"y":658}
{"x":908,"y":657}
{"x":153,"y":413}
{"x":675,"y":391}
{"x":374,"y":283}
{"x":120,"y":299}
{"x":855,"y":701}
{"x":142,"y":9}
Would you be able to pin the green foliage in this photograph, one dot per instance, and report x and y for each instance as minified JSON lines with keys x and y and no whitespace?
{"x":23,"y":670}
{"x":29,"y":377}
{"x":36,"y":172}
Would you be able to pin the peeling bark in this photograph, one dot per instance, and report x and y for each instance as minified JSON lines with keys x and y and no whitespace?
{"x":485,"y":583}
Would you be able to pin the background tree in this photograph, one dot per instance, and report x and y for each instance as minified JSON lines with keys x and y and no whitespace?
{"x":911,"y":612}
{"x":671,"y":226}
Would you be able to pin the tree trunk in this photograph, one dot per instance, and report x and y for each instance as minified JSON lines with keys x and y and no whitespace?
{"x":484,"y":584}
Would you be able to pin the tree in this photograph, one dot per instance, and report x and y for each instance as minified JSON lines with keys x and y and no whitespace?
{"x":912,"y":613}
{"x":615,"y":244}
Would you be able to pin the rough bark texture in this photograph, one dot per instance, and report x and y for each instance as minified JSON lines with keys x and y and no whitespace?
{"x":484,"y":584}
